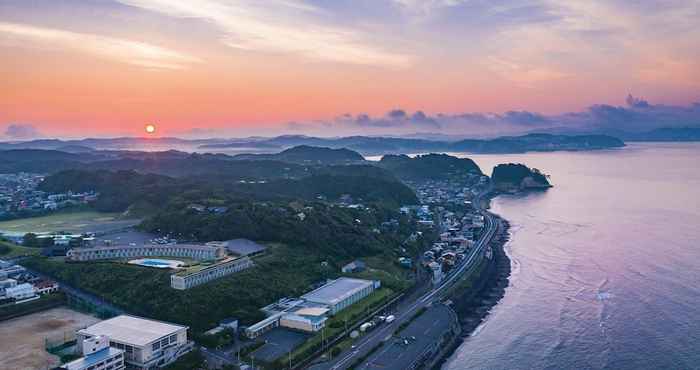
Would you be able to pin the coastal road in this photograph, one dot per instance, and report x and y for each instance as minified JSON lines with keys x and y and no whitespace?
{"x":404,"y":313}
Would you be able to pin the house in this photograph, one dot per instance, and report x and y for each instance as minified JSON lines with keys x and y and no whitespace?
{"x":354,"y":266}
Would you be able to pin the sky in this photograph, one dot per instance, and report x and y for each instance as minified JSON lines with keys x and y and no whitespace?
{"x":215,"y":68}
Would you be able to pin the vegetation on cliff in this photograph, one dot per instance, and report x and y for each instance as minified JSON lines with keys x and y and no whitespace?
{"x":518,"y":176}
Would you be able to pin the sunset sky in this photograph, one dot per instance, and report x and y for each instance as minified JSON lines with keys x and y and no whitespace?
{"x":207,"y":68}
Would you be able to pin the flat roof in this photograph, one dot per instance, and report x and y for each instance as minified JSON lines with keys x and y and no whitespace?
{"x":132,"y":330}
{"x":94,"y":358}
{"x":243,"y":247}
{"x":312,"y":311}
{"x":337,"y":290}
{"x":206,"y":248}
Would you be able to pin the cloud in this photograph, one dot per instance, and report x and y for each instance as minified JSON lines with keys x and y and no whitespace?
{"x":279,"y":26}
{"x":121,"y":50}
{"x":638,"y":116}
{"x":21,"y":131}
{"x":636,"y":102}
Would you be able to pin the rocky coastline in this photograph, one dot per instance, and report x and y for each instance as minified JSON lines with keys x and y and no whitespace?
{"x":487,"y":289}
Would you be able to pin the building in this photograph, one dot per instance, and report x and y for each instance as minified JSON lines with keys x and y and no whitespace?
{"x":20,"y":291}
{"x":147,"y":344}
{"x":6,"y":283}
{"x":46,"y":287}
{"x":229,"y":323}
{"x":310,"y":312}
{"x":12,"y":271}
{"x":185,"y":280}
{"x":436,"y":268}
{"x":198,"y":252}
{"x":311,"y":319}
{"x":240,"y":247}
{"x":97,"y":355}
{"x":341,"y":293}
{"x":354,"y":266}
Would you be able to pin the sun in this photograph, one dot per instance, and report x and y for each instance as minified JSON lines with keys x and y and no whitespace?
{"x":150,"y":129}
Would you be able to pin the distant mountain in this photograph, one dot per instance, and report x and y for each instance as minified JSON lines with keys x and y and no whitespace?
{"x":665,"y":134}
{"x":428,"y":166}
{"x":389,"y":145}
{"x":537,"y":143}
{"x":365,"y":145}
{"x":306,"y":154}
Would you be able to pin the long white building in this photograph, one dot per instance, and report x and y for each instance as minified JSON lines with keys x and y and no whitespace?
{"x":198,"y":252}
{"x":341,"y":293}
{"x":184,"y":280}
{"x":310,"y":312}
{"x":147,"y":344}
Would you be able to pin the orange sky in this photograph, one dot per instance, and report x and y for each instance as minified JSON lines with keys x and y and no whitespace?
{"x":216,"y":66}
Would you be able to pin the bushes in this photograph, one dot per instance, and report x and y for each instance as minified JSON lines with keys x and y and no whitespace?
{"x":146,"y":292}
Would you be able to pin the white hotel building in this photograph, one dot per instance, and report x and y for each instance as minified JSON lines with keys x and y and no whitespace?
{"x":197,"y":252}
{"x":147,"y":344}
{"x":185,"y":280}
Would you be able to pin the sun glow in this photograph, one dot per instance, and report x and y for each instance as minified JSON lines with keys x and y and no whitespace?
{"x":150,"y":129}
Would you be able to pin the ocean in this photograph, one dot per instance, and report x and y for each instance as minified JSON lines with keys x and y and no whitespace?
{"x":606,"y":264}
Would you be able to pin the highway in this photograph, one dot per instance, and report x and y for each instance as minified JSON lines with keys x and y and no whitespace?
{"x":407,"y":310}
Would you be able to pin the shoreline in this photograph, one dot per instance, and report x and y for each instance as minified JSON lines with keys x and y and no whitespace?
{"x":473,"y":306}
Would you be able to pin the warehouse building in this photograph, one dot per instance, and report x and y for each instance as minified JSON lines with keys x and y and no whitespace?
{"x":185,"y":280}
{"x":341,"y":293}
{"x":197,"y":252}
{"x":147,"y":344}
{"x":310,"y":312}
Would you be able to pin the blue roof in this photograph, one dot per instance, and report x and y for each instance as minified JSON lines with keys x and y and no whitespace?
{"x":95,"y":358}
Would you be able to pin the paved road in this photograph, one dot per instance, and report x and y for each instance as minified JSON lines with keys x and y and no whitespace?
{"x":405,"y":312}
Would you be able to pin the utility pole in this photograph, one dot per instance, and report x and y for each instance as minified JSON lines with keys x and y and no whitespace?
{"x":290,"y":360}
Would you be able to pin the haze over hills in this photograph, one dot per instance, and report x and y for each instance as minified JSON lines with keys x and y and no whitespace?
{"x":365,"y":145}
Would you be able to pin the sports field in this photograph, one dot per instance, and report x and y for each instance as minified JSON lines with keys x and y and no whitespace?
{"x":22,"y":339}
{"x":73,"y":222}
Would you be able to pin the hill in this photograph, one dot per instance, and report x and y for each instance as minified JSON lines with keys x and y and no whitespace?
{"x":306,"y":154}
{"x":511,"y":176}
{"x":428,"y":166}
{"x":537,"y":142}
{"x":666,"y":134}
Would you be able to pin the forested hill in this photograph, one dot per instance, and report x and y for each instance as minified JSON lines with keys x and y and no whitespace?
{"x":513,"y":176}
{"x":428,"y":166}
{"x":306,"y":154}
{"x":121,"y":189}
{"x":538,"y":143}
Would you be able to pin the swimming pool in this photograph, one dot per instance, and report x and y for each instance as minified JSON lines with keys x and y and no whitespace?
{"x":157,"y":263}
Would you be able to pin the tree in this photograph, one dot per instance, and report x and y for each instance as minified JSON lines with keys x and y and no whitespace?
{"x":30,"y":240}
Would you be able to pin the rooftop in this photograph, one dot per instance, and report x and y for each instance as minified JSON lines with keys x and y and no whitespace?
{"x":337,"y":290}
{"x":243,"y":247}
{"x":133,"y":330}
{"x":92,"y":359}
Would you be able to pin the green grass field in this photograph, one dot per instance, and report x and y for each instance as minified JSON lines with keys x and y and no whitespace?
{"x":10,"y":250}
{"x":65,"y":221}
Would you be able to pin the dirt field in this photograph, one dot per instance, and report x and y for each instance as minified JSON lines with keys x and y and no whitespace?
{"x":22,"y":339}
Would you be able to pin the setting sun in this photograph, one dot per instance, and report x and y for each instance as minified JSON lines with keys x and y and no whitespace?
{"x":150,"y":129}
